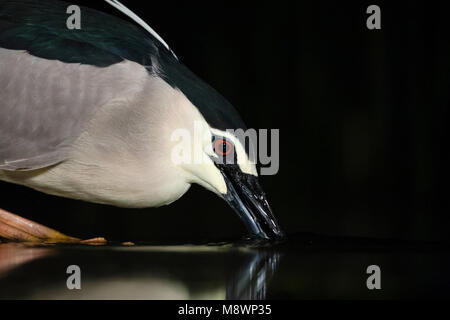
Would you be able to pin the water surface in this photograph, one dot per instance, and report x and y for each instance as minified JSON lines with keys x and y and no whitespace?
{"x":305,"y":267}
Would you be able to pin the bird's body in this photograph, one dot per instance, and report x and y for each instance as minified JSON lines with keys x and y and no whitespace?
{"x":90,"y":114}
{"x":108,"y":159}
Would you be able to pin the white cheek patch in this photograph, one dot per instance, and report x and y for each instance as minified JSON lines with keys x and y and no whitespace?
{"x":243,"y":161}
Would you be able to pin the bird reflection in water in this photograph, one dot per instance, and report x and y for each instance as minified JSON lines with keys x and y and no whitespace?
{"x":251,"y":281}
{"x":14,"y":255}
{"x":140,"y":272}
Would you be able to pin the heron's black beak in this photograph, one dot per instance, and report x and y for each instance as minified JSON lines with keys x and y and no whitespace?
{"x":247,"y":198}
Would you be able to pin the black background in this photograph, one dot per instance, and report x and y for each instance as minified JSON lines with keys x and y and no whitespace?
{"x":362,"y":116}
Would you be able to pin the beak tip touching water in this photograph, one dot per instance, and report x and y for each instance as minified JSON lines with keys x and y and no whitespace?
{"x":267,"y":225}
{"x":248,"y":200}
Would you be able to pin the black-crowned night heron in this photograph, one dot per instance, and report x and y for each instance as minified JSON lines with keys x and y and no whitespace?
{"x":90,"y":114}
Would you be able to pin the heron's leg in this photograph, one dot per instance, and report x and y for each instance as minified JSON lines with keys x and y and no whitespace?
{"x":16,"y":228}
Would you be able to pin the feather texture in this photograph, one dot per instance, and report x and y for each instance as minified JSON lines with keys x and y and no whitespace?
{"x":53,"y":80}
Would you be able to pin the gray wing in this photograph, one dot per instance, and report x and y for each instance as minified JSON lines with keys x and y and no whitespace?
{"x":46,"y":104}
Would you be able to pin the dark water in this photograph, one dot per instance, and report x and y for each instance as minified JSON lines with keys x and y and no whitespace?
{"x":305,"y":267}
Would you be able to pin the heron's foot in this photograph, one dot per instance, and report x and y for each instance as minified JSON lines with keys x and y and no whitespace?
{"x":18,"y":229}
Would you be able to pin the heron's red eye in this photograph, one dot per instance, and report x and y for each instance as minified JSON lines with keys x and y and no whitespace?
{"x":222,"y":147}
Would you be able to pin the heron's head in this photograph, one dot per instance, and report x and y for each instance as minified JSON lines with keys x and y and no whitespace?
{"x":226,"y":167}
{"x":243,"y":191}
{"x":220,"y":161}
